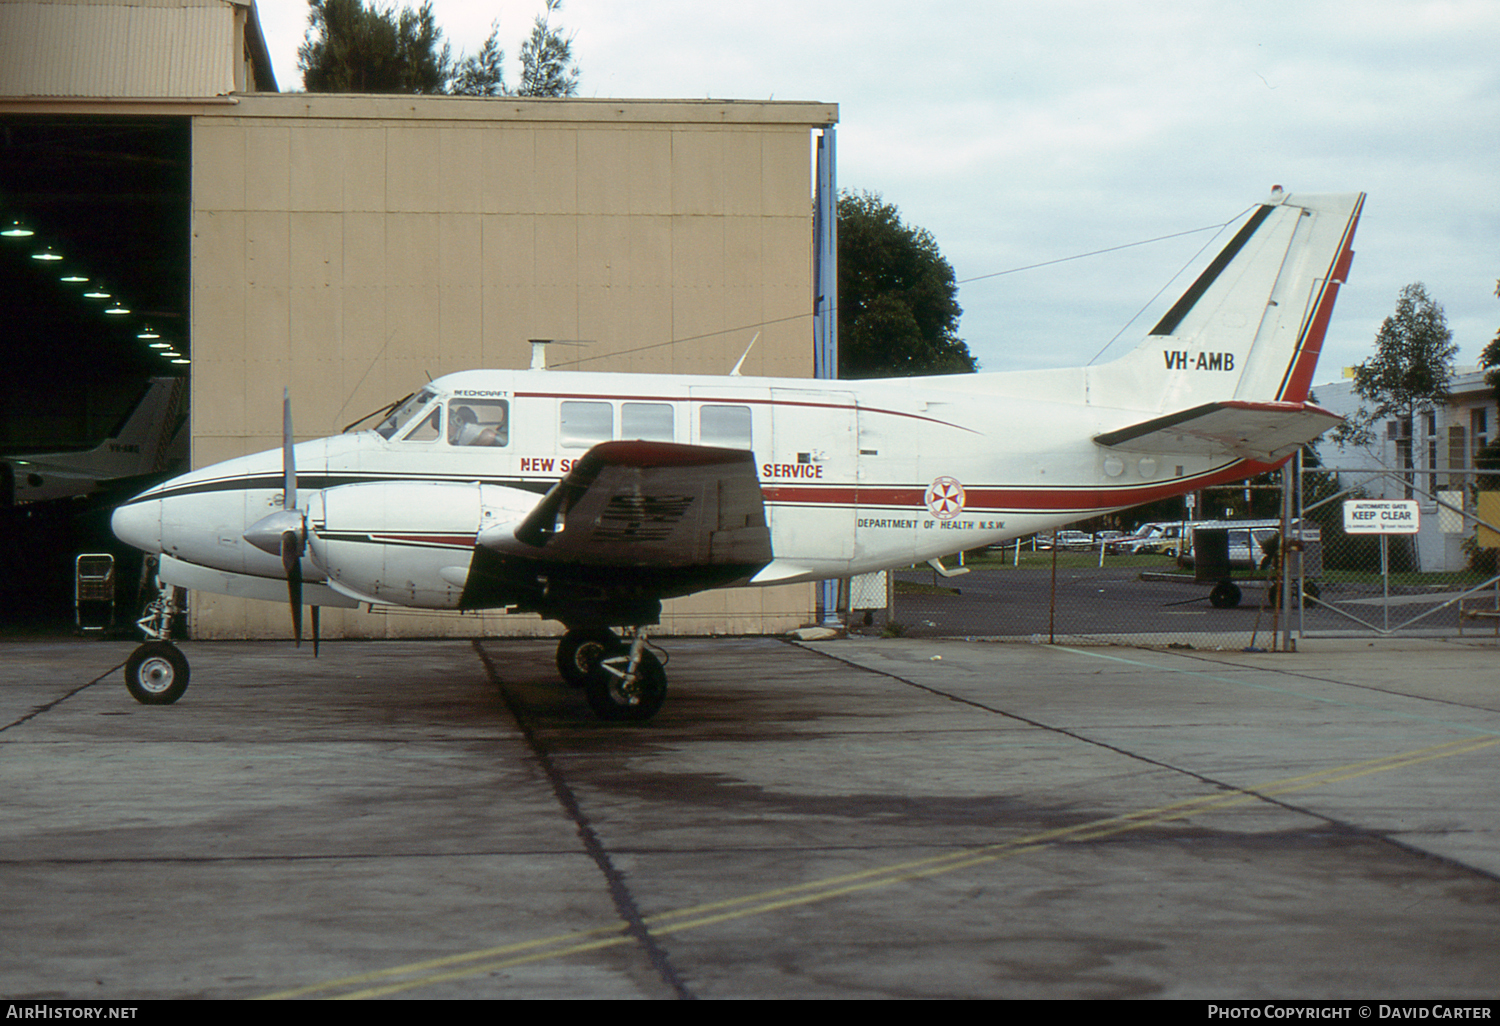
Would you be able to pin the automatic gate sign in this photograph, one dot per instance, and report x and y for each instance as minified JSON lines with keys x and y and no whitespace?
{"x":1381,"y":516}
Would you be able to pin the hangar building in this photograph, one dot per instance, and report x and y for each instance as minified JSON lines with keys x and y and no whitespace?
{"x":351,"y":246}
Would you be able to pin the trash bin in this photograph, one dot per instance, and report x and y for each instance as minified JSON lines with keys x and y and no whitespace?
{"x":1210,"y":555}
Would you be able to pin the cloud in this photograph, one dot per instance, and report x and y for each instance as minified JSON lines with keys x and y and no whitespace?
{"x":1020,"y":132}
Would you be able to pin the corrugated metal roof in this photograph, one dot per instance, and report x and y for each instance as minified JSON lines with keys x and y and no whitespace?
{"x":119,"y":48}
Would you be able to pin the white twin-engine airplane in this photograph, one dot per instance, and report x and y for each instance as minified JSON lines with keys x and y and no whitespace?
{"x":589,"y":498}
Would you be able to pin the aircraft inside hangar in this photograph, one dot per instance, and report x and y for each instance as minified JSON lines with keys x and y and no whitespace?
{"x":94,"y":250}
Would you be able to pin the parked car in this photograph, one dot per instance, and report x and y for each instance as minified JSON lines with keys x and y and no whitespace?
{"x":1109,"y":539}
{"x":1159,"y":537}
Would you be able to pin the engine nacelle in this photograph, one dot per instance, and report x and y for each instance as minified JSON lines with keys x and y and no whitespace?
{"x":404,"y":542}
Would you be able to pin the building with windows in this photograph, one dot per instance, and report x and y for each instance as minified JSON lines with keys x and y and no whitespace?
{"x":1429,"y":457}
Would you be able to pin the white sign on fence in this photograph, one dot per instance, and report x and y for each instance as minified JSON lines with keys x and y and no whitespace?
{"x":1381,"y":516}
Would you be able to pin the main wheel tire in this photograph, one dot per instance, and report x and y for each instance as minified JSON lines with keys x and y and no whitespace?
{"x":612,"y":699}
{"x":1225,"y":595}
{"x":579,"y":650}
{"x":156,"y":673}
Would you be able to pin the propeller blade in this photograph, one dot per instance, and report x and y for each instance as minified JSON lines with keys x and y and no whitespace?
{"x":288,"y":459}
{"x":291,"y":562}
{"x":292,"y":525}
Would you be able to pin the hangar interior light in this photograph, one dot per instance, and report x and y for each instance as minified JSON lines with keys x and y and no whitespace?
{"x":97,"y":291}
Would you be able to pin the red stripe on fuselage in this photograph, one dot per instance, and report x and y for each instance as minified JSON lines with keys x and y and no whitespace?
{"x":436,"y":541}
{"x":1010,"y":499}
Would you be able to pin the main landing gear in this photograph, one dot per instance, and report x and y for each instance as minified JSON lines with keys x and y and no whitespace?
{"x":157,"y":672}
{"x":619,"y":681}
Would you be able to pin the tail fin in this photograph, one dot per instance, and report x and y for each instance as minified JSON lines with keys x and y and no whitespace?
{"x":1251,"y":327}
{"x":150,"y":429}
{"x":149,"y":440}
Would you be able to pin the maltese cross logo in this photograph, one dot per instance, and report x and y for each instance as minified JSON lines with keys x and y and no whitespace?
{"x":945,"y":497}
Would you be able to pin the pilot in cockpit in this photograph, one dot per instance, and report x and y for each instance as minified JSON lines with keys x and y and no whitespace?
{"x":464,"y":427}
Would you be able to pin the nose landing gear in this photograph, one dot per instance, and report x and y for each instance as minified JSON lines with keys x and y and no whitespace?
{"x":157,"y":672}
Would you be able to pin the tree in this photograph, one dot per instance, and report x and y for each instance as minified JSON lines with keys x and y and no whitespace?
{"x":356,"y":47}
{"x":1489,"y":360}
{"x":484,"y":73}
{"x":898,"y":307}
{"x":1411,"y":368}
{"x":546,"y":60}
{"x":352,"y":48}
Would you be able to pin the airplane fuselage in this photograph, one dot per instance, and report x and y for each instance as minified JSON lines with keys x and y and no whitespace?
{"x":855,"y":476}
{"x":589,"y":498}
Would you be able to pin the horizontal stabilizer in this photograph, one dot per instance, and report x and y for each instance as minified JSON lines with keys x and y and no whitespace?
{"x":1263,"y":431}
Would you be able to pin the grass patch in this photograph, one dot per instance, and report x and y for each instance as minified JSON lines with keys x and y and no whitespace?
{"x":993,"y":559}
{"x":917,"y":588}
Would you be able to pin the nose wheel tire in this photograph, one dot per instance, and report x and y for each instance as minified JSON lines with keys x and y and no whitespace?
{"x":614,"y":696}
{"x":156,"y":673}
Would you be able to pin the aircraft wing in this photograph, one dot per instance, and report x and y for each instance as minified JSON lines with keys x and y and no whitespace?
{"x":632,"y":522}
{"x":1262,"y":431}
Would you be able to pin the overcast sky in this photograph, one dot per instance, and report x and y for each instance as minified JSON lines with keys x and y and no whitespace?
{"x":1019,"y":133}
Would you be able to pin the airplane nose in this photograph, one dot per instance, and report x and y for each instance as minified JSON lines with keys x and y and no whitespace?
{"x":139,"y":525}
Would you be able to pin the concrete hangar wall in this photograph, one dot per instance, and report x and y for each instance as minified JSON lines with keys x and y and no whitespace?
{"x":351,"y":246}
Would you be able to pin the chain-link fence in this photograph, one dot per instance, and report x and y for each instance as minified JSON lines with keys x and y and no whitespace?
{"x":1433,"y":572}
{"x":1218,"y":584}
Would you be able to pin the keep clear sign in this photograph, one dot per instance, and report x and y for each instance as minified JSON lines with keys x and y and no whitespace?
{"x":1381,"y":516}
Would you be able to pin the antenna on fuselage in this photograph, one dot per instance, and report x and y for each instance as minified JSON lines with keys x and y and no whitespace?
{"x":736,"y":372}
{"x":539,"y":348}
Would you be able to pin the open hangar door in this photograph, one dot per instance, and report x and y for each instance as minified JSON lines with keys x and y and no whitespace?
{"x":94,"y":258}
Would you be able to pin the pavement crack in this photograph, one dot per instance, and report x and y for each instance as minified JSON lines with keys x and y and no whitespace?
{"x":619,"y":890}
{"x":48,"y":706}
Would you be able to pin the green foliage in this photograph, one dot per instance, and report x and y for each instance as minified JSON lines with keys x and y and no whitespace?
{"x":356,"y":47}
{"x":1489,"y":360}
{"x":898,"y":306}
{"x":484,"y":73}
{"x":1481,"y":560}
{"x":352,"y":48}
{"x":1488,"y":458}
{"x":1411,"y":368}
{"x":547,"y":67}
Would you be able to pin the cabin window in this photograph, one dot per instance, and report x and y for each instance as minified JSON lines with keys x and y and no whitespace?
{"x":429,"y":429}
{"x":479,"y":422}
{"x":725,"y":426}
{"x":583,"y":424}
{"x":651,"y":422}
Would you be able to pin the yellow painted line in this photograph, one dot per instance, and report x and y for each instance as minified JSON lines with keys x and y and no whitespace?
{"x":441,"y":970}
